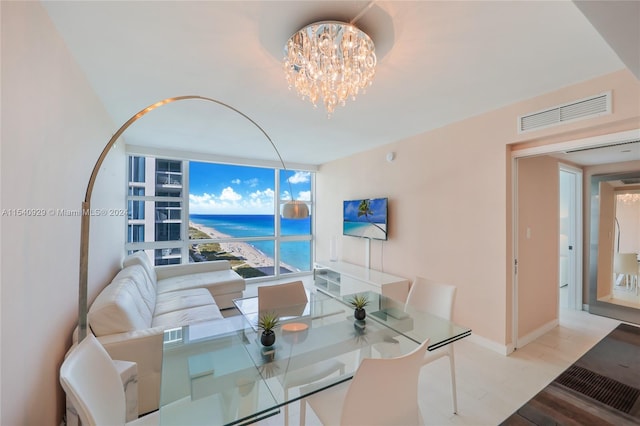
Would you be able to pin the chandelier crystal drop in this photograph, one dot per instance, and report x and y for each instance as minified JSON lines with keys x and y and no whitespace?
{"x":329,"y":60}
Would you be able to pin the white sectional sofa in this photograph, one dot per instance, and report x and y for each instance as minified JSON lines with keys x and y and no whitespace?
{"x":223,"y":283}
{"x":130,"y":314}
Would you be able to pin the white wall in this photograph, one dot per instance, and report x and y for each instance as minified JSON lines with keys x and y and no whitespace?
{"x":628,"y":215}
{"x":53,"y":129}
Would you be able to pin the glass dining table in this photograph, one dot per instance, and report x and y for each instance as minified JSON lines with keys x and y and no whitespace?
{"x":218,"y":372}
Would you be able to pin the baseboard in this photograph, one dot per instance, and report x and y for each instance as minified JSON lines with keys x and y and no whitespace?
{"x":509,"y":348}
{"x":528,"y":338}
{"x":490,"y":344}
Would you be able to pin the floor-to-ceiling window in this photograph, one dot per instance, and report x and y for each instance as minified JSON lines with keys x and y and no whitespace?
{"x":184,"y":211}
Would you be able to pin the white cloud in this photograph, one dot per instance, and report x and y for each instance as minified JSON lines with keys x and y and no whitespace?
{"x":304,"y":195}
{"x":228,"y":194}
{"x":204,"y":204}
{"x":199,"y":199}
{"x":236,"y":181}
{"x":300,"y":177}
{"x":266,"y":194}
{"x":261,"y":201}
{"x":231,"y":202}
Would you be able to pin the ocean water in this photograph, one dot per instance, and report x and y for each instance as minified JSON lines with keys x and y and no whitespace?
{"x":294,"y":253}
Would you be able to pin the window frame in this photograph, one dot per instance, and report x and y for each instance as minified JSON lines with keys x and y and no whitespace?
{"x":184,"y":243}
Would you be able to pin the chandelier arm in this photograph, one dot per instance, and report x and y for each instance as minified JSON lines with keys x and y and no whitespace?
{"x":86,"y":204}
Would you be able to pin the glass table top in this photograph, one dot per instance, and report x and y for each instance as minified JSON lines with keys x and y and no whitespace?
{"x":219,"y":373}
{"x":410,"y":322}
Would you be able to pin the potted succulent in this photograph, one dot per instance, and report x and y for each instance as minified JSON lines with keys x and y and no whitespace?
{"x":267,"y":322}
{"x":359,"y":301}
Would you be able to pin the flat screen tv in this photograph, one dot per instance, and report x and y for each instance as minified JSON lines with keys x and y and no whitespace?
{"x":365,"y":218}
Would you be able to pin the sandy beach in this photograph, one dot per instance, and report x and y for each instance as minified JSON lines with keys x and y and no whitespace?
{"x":251,"y":255}
{"x":369,"y":231}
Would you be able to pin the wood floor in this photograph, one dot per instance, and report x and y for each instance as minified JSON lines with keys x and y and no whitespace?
{"x":600,"y":388}
{"x":492,"y":386}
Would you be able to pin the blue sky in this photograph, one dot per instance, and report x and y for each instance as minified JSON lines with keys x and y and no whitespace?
{"x":227,"y":189}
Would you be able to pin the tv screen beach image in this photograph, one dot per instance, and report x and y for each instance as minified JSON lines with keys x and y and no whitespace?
{"x":366,"y":218}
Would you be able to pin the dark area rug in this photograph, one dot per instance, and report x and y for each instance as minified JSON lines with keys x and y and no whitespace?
{"x":601,"y":388}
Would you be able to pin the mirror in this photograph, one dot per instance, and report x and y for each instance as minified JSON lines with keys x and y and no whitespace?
{"x":615,"y":246}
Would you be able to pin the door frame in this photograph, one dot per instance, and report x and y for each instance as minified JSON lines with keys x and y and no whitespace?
{"x":601,"y":140}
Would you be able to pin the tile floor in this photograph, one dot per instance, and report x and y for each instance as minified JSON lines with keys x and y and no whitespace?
{"x":492,"y":386}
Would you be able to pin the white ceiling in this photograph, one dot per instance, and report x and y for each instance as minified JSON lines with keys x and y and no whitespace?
{"x":438,"y":62}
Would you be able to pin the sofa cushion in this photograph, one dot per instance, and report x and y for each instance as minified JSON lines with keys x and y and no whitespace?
{"x":225,"y":281}
{"x":146,"y":288}
{"x":119,"y":308}
{"x":183,"y":299}
{"x":141,"y":258}
{"x":187,"y":316}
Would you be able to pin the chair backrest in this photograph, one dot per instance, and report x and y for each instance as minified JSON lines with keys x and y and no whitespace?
{"x":286,"y":299}
{"x":385,"y":391}
{"x":92,"y":383}
{"x":625,"y":263}
{"x":432,"y":296}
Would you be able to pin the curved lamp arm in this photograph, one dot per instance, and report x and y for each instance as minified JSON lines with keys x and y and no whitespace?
{"x":295,"y":209}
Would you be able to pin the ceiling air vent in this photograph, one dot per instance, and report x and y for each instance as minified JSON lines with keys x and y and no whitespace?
{"x":584,"y":108}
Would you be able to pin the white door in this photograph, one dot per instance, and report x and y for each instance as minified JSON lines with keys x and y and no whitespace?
{"x":569,"y":279}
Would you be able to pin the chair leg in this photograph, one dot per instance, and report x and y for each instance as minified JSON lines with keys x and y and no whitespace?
{"x":452,"y":366}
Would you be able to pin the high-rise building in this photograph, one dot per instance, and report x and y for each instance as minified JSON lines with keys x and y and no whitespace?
{"x":159,"y":218}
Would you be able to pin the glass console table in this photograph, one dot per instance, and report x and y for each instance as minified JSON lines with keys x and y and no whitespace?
{"x":218,"y":372}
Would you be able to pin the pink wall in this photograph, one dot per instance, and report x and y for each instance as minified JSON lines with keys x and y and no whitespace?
{"x":443,"y":221}
{"x":450,"y":198}
{"x":538,"y":252}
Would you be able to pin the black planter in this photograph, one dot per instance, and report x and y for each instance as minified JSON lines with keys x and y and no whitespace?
{"x":268,"y":338}
{"x":359,"y":314}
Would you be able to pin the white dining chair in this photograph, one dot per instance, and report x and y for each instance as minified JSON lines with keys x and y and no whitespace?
{"x":92,"y":383}
{"x":626,"y":265}
{"x":382,"y":392}
{"x":438,"y":299}
{"x":290,"y":299}
{"x":287,"y":299}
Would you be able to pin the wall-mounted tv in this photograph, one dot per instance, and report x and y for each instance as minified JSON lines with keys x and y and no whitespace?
{"x":365,"y":218}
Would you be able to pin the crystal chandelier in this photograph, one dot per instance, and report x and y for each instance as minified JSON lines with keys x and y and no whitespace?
{"x":628,"y":198}
{"x":330,"y":60}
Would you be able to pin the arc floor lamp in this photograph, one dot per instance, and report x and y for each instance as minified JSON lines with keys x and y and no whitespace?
{"x":293,"y":209}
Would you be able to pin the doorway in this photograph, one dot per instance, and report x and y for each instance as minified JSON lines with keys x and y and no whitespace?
{"x":570,"y":238}
{"x":528,"y":324}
